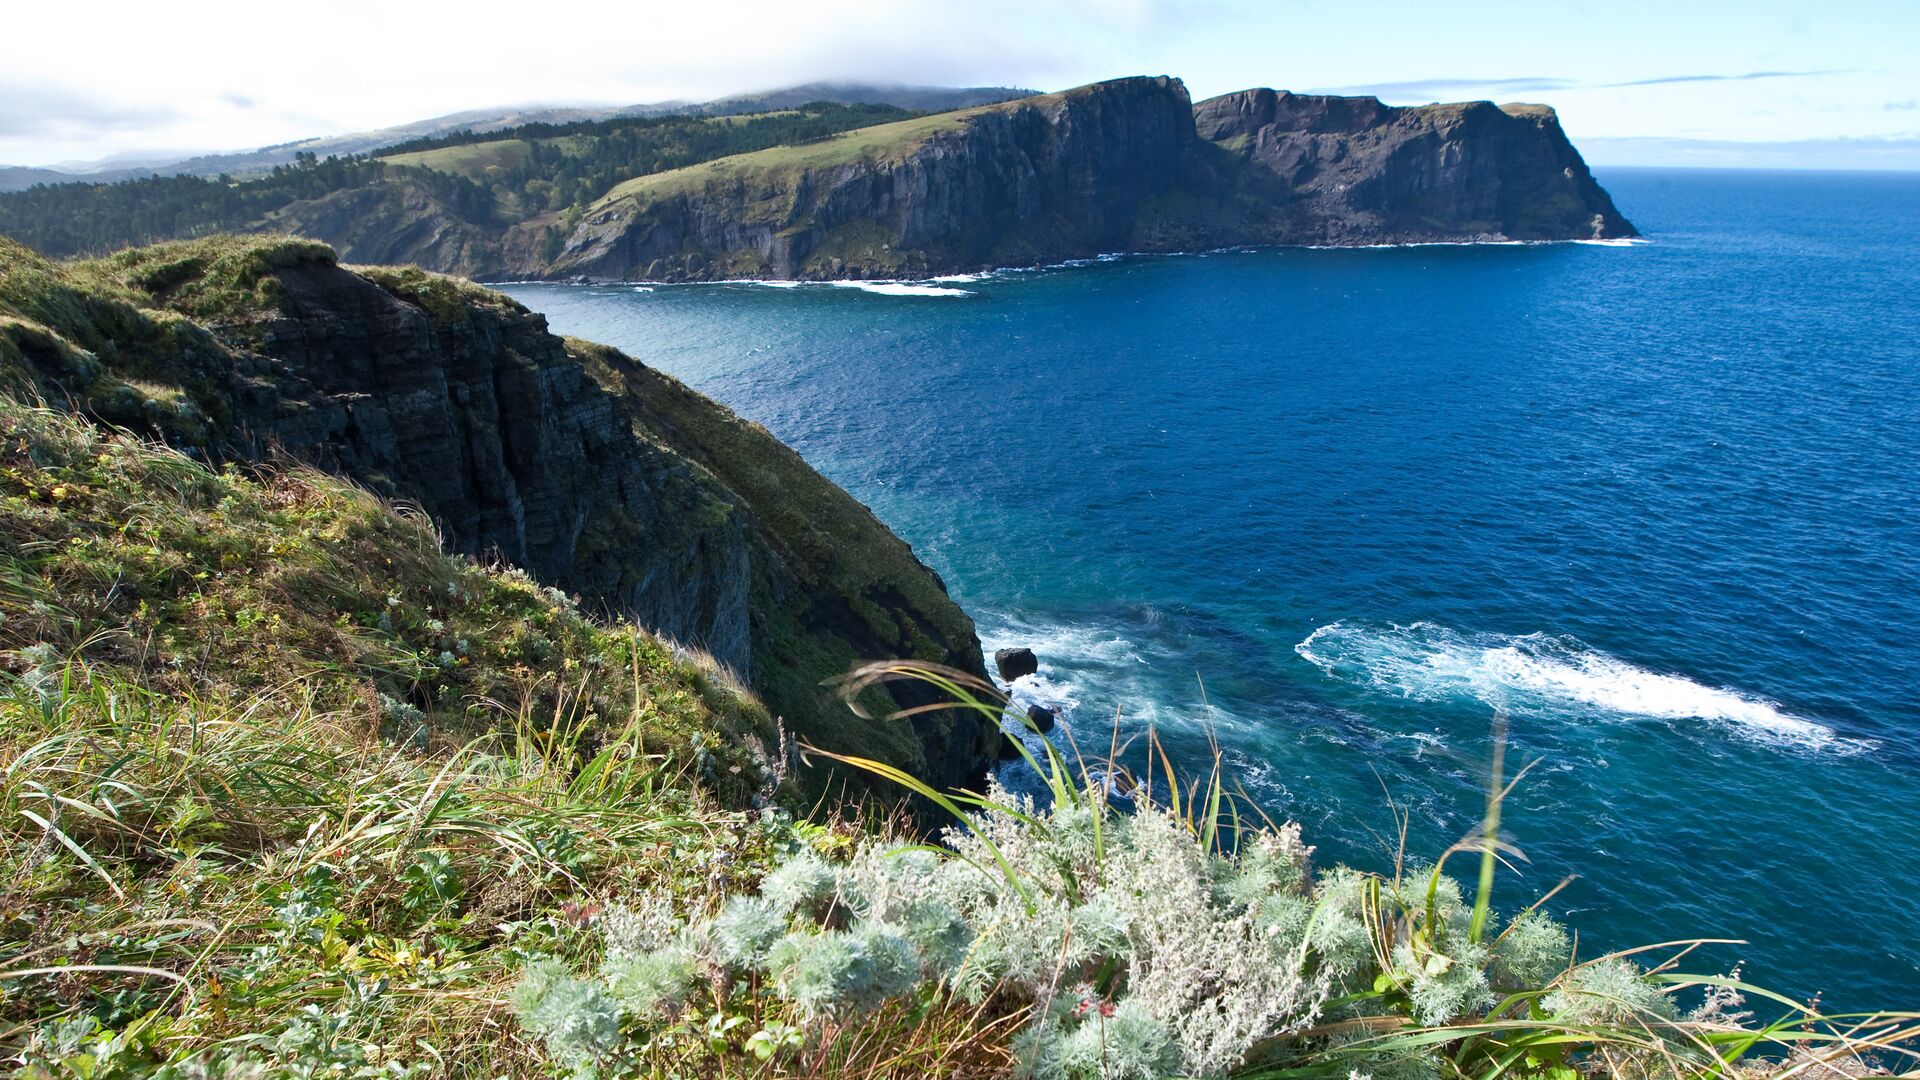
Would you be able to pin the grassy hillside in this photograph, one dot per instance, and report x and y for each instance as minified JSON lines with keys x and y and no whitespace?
{"x":880,"y":142}
{"x":494,"y":182}
{"x":269,"y":759}
{"x":178,"y":341}
{"x":473,"y":161}
{"x":776,"y":167}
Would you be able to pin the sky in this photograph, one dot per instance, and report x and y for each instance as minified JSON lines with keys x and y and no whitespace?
{"x":1784,"y":82}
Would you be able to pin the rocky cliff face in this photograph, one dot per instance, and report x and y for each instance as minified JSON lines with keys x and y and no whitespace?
{"x":398,"y":222}
{"x":1123,"y":165}
{"x":1335,"y":170}
{"x":1042,"y":178}
{"x":586,"y":468}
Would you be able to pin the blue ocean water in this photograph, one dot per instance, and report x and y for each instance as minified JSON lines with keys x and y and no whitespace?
{"x":1660,"y":503}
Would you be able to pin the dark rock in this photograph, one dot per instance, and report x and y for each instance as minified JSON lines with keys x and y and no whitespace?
{"x":1015,"y":663}
{"x":1121,"y":165}
{"x":1312,"y":169}
{"x":1040,"y":179}
{"x":1009,"y":746}
{"x":1042,"y":717}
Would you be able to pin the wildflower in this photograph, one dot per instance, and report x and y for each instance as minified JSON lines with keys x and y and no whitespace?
{"x":579,"y":914}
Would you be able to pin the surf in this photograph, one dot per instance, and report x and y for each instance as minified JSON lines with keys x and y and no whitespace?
{"x":1540,"y":673}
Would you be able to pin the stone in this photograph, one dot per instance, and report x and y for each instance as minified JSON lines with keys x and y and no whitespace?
{"x":1015,"y":663}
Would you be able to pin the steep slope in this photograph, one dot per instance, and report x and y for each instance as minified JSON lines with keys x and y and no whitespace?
{"x":399,"y":221}
{"x":834,"y":192}
{"x":1027,"y":181}
{"x":1336,"y":170}
{"x":582,"y":466}
{"x":1121,"y":165}
{"x":237,"y":586}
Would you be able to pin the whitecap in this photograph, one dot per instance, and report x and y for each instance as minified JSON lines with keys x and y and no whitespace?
{"x":1614,"y":241}
{"x":643,"y":288}
{"x":1537,"y":672}
{"x":900,"y":288}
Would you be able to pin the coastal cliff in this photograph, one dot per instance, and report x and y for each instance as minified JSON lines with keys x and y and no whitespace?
{"x":1033,"y":180}
{"x":591,"y":471}
{"x":1307,"y":169}
{"x":1127,"y":165}
{"x":824,"y":191}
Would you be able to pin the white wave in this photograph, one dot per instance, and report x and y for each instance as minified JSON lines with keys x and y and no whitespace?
{"x":900,"y":288}
{"x":1098,"y":672}
{"x":643,"y":288}
{"x":1615,"y":241}
{"x":1427,"y":662}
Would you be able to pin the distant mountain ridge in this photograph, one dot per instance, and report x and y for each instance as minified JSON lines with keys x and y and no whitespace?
{"x":242,"y":163}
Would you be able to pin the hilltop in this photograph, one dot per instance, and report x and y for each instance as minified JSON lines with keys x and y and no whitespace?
{"x":599,"y":476}
{"x":827,"y":190}
{"x":247,"y":163}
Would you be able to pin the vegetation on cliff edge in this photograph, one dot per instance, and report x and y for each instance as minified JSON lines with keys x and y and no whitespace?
{"x":503,"y":178}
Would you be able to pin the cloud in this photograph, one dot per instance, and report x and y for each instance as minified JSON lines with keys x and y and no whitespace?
{"x":1435,"y":89}
{"x":1438,"y":88}
{"x":1747,"y":77}
{"x":28,"y":109}
{"x":1908,"y":105}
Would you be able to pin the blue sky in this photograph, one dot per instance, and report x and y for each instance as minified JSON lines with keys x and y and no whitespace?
{"x":1780,"y":82}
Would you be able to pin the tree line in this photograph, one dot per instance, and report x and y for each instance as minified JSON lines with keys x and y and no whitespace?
{"x":565,"y":166}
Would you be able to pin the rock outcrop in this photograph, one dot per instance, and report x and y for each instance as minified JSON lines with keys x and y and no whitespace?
{"x":1127,"y":165}
{"x":1015,"y":663}
{"x":1033,"y":180}
{"x":593,"y":472}
{"x":1307,"y":169}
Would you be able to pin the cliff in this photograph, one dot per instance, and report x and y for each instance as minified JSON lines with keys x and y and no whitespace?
{"x":1027,"y":181}
{"x":1307,"y":169}
{"x":580,"y":465}
{"x":1127,"y":165}
{"x":830,"y":191}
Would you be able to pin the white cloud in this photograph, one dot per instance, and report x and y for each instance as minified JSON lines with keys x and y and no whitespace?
{"x":114,"y":76}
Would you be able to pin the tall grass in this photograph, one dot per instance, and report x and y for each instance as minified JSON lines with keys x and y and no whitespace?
{"x":1441,"y":995}
{"x":198,"y":872}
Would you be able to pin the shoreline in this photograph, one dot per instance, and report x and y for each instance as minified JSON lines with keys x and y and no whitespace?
{"x":962,"y":276}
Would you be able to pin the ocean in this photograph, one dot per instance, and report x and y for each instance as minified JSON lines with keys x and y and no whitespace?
{"x":1657,"y":504}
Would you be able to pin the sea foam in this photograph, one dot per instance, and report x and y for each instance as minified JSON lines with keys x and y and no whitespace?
{"x":1537,"y":672}
{"x":900,"y":288}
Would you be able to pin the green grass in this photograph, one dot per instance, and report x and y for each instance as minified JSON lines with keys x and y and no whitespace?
{"x":107,"y":334}
{"x":231,"y":695}
{"x":472,"y":160}
{"x":770,"y":166}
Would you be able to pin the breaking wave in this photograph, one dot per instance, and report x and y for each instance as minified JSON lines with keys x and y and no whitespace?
{"x":1537,"y":672}
{"x":899,"y":288}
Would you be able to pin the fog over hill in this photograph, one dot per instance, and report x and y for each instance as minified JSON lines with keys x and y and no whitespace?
{"x":263,"y":159}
